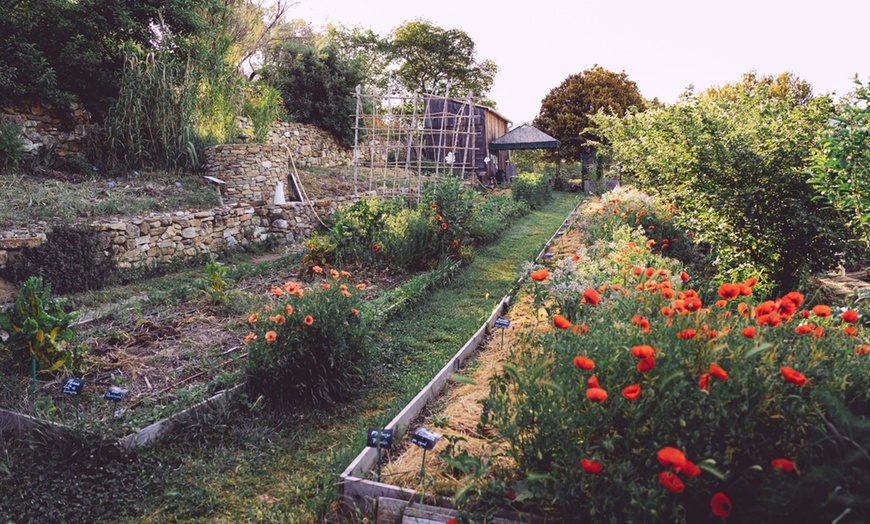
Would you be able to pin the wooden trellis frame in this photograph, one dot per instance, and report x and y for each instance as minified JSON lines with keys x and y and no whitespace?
{"x":404,"y":140}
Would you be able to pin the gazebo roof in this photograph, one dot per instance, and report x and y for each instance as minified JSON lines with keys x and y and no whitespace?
{"x":525,"y":137}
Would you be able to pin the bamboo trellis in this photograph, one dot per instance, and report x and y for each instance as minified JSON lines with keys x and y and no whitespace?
{"x":403,"y":141}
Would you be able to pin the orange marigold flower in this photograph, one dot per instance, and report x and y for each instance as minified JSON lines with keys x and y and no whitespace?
{"x":250,"y":337}
{"x":253,"y":318}
{"x":592,"y":382}
{"x":540,"y":275}
{"x":748,"y":332}
{"x":360,"y":286}
{"x":704,"y":382}
{"x":687,"y":334}
{"x":317,"y":269}
{"x":596,"y":394}
{"x":278,"y":319}
{"x":850,"y":316}
{"x":271,"y":336}
{"x":584,"y":363}
{"x":590,"y":466}
{"x":643,"y":351}
{"x":631,"y":392}
{"x":720,"y":504}
{"x":591,"y":296}
{"x":334,"y":273}
{"x":671,"y":482}
{"x":729,"y":291}
{"x":308,"y":320}
{"x":821,"y":311}
{"x":793,"y":376}
{"x":354,"y":311}
{"x":717,"y":372}
{"x":781,"y":464}
{"x":646,"y":364}
{"x":561,"y":322}
{"x":671,"y":457}
{"x":803,"y":329}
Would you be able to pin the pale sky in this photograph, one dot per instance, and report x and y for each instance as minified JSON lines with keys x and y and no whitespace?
{"x":663,"y":46}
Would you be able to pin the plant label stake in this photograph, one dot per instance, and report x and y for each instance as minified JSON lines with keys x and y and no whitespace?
{"x":73,"y":386}
{"x":376,"y":438}
{"x":114,"y":394}
{"x":34,"y":372}
{"x":502,"y":323}
{"x":426,"y":440}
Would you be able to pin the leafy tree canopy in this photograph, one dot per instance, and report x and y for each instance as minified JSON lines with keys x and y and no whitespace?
{"x":566,"y":112}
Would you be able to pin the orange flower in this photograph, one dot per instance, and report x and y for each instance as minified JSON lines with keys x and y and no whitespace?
{"x":786,"y":306}
{"x":308,"y":320}
{"x":591,"y":296}
{"x":687,"y":334}
{"x":561,"y":322}
{"x":803,"y":329}
{"x":720,"y":303}
{"x":646,"y":364}
{"x":821,"y":311}
{"x":793,"y":376}
{"x":720,"y":504}
{"x":748,"y":332}
{"x":668,"y":312}
{"x":684,"y":276}
{"x":271,"y":336}
{"x":342,"y":287}
{"x":360,"y":286}
{"x":345,"y":273}
{"x":250,"y":337}
{"x":782,"y":464}
{"x":334,"y":273}
{"x":592,"y":382}
{"x":291,"y":287}
{"x":765,"y":308}
{"x":718,"y":372}
{"x":671,"y":457}
{"x":278,"y":319}
{"x":743,"y":309}
{"x":649,"y":272}
{"x":277,"y":291}
{"x":590,"y":466}
{"x":643,"y":351}
{"x":850,"y":316}
{"x":540,"y":275}
{"x":346,"y":294}
{"x":596,"y":394}
{"x":819,"y":332}
{"x":584,"y":363}
{"x":862,"y":350}
{"x":289,"y":309}
{"x":729,"y":291}
{"x":704,"y":382}
{"x":631,"y":392}
{"x":745,"y":290}
{"x":355,"y":311}
{"x":438,"y":218}
{"x":671,"y":482}
{"x":324,"y":286}
{"x":317,"y":269}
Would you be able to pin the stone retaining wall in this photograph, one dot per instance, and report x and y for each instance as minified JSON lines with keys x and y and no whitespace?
{"x":45,"y":127}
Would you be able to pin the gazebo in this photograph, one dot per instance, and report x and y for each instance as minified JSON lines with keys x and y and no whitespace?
{"x":527,"y":137}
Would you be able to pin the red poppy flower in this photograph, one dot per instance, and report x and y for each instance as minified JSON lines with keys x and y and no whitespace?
{"x":821,"y":311}
{"x":646,"y":364}
{"x":592,"y":382}
{"x":795,"y":297}
{"x":643,"y":351}
{"x":451,"y":521}
{"x":438,"y":218}
{"x":637,"y":271}
{"x":782,"y":464}
{"x":771,"y":319}
{"x":803,"y":329}
{"x":649,"y":272}
{"x":850,"y":331}
{"x":540,"y":274}
{"x":354,"y":311}
{"x":596,"y":394}
{"x":751,"y":282}
{"x":443,"y":225}
{"x":375,"y":247}
{"x":671,"y":482}
{"x":819,"y":332}
{"x":309,"y":320}
{"x":745,"y":290}
{"x":748,"y":332}
{"x":862,"y":350}
{"x":250,"y":337}
{"x":689,"y":469}
{"x":671,"y":457}
{"x":704,"y":382}
{"x":253,"y":318}
{"x":590,"y":466}
{"x":561,"y":322}
{"x":721,"y":505}
{"x":687,"y":334}
{"x":456,"y":243}
{"x":765,"y":308}
{"x":591,"y":296}
{"x":584,"y":363}
{"x":271,"y":336}
{"x":684,"y":276}
{"x":668,"y":312}
{"x":718,"y":372}
{"x":793,"y":376}
{"x":720,"y":303}
{"x":850,"y":316}
{"x":729,"y":291}
{"x":631,"y":392}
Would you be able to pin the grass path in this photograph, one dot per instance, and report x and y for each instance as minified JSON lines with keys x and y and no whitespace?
{"x":269,"y":465}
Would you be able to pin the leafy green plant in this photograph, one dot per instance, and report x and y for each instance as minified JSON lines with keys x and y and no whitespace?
{"x":11,"y":147}
{"x":263,"y":106}
{"x":37,"y":327}
{"x":532,"y":189}
{"x":214,"y":283}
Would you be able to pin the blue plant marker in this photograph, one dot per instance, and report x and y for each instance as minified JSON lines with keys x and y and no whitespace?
{"x":502,"y":323}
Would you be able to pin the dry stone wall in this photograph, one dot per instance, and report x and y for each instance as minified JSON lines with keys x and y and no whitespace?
{"x":45,"y":127}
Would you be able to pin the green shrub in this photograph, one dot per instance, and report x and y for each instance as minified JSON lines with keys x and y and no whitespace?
{"x":531,"y":188}
{"x":311,"y":343}
{"x":71,"y":260}
{"x":494,"y":215}
{"x":11,"y":147}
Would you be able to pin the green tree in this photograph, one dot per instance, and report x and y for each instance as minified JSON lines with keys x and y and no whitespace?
{"x":566,"y":111}
{"x":735,"y":166}
{"x":315,"y":85}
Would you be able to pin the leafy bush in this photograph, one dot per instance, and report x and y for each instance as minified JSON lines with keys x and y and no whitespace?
{"x":644,"y":358}
{"x":309,"y":343}
{"x":734,"y":161}
{"x":71,"y":260}
{"x":531,"y":188}
{"x":37,"y":327}
{"x":11,"y":147}
{"x":494,"y":215}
